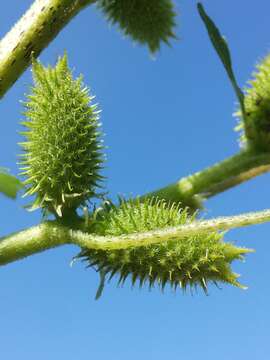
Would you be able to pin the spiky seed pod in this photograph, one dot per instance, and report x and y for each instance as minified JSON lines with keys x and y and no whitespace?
{"x":256,"y":126}
{"x":62,"y":152}
{"x":190,"y":262}
{"x":147,"y":22}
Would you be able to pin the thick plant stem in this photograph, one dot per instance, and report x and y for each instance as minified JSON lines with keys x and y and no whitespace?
{"x":85,"y":240}
{"x":34,"y":31}
{"x":52,"y":234}
{"x":215,"y":179}
{"x":31,"y":241}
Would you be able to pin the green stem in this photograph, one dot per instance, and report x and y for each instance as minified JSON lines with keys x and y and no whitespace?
{"x":32,"y":33}
{"x":215,"y":179}
{"x":176,"y":233}
{"x":52,"y":234}
{"x":31,"y":241}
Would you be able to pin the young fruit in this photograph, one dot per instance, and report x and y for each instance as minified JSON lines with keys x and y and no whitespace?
{"x":256,"y":125}
{"x":148,"y":22}
{"x":190,"y":262}
{"x":62,"y":153}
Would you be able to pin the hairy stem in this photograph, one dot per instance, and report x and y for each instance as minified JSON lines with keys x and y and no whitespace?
{"x":85,"y":240}
{"x":52,"y":234}
{"x":32,"y":241}
{"x":33,"y":32}
{"x":215,"y":179}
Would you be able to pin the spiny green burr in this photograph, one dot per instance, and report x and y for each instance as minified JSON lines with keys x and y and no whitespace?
{"x":255,"y":127}
{"x":148,"y":22}
{"x":190,"y":262}
{"x":63,"y":155}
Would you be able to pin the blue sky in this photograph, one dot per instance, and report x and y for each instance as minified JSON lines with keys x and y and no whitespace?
{"x":163,"y":118}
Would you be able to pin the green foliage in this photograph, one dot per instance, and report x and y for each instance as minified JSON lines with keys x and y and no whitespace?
{"x":9,"y":184}
{"x":256,"y":125}
{"x":188,"y":262}
{"x":222,"y":49}
{"x":63,"y":151}
{"x":147,"y":22}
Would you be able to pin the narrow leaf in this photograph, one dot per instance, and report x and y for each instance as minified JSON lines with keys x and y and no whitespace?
{"x":101,"y":285}
{"x":222,"y":49}
{"x":9,"y":184}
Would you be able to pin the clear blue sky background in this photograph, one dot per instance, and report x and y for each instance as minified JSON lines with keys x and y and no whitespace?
{"x":163,"y":118}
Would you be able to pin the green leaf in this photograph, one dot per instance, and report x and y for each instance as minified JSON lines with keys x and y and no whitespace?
{"x":222,"y":49}
{"x":9,"y":184}
{"x":101,"y":286}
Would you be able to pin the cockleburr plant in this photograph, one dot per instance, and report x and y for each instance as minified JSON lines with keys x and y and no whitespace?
{"x":153,"y":239}
{"x":255,"y":126}
{"x":149,"y":240}
{"x":148,"y":22}
{"x":186,"y":262}
{"x":63,"y":157}
{"x":62,"y":153}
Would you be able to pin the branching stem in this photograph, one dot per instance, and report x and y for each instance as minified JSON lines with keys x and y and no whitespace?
{"x":53,"y":234}
{"x":35,"y":30}
{"x":215,"y":179}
